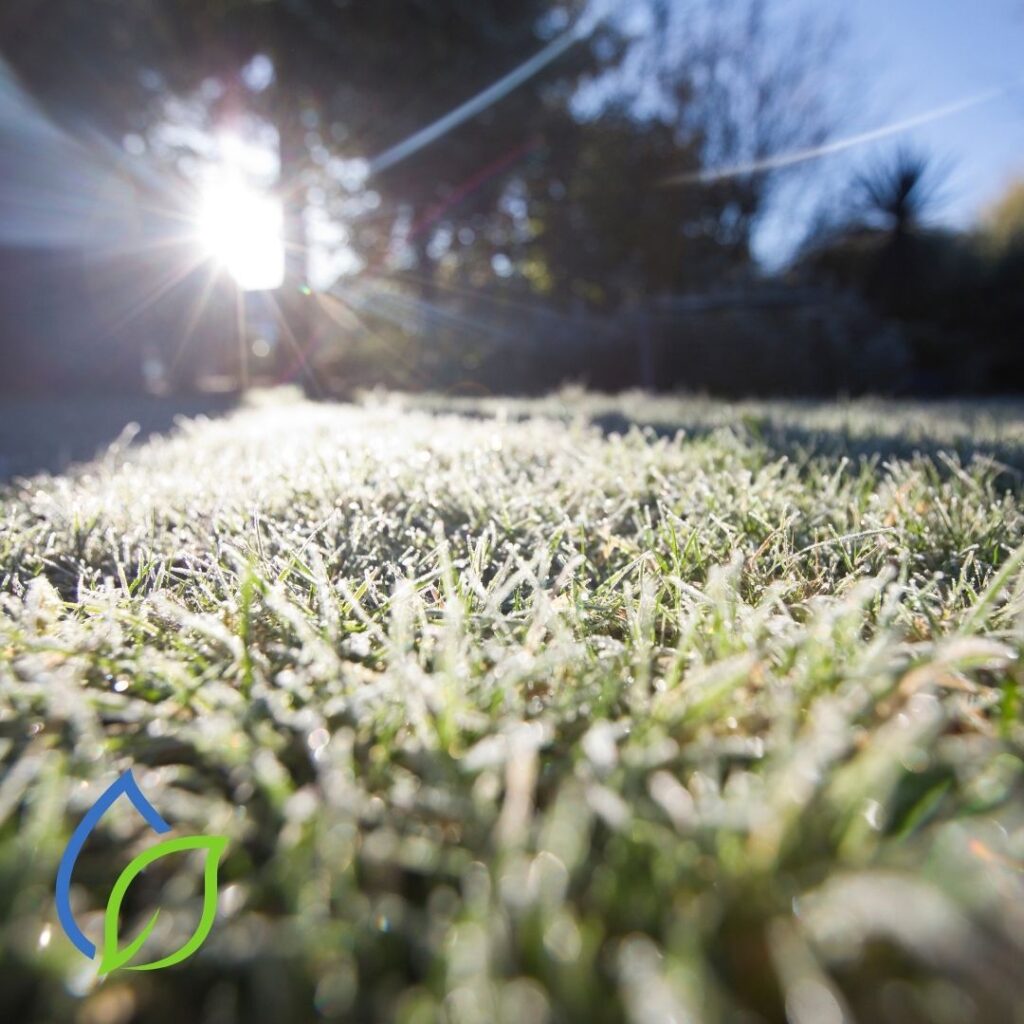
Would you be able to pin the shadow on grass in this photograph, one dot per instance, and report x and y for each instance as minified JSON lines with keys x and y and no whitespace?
{"x":979,"y":429}
{"x":799,"y":442}
{"x":47,"y":435}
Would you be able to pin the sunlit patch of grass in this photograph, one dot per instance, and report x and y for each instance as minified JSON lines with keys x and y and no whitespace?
{"x":517,"y":712}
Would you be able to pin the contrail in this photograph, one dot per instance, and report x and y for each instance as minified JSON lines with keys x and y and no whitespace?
{"x":491,"y":95}
{"x":799,"y":156}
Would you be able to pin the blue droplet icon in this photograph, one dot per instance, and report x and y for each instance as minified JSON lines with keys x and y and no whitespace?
{"x":124,"y":786}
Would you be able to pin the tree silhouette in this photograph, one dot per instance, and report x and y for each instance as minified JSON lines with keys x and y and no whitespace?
{"x":900,"y":193}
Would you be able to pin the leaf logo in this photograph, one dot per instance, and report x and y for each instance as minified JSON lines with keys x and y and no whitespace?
{"x":114,"y":957}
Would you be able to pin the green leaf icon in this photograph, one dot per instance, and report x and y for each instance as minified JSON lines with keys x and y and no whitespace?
{"x":113,"y":958}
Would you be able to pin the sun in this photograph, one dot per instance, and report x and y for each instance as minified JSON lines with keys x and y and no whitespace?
{"x":243,"y":230}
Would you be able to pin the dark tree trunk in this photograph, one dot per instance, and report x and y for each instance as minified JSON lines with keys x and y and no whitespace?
{"x":292,"y":303}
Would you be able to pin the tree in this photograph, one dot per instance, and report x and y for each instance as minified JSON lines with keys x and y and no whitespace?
{"x":890,"y":204}
{"x":955,"y":294}
{"x":603,"y":231}
{"x":745,"y":82}
{"x":349,"y":80}
{"x":899,"y":193}
{"x":1002,"y":226}
{"x":642,"y":189}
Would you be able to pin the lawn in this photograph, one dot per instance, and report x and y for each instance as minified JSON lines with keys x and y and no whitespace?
{"x":581,"y":710}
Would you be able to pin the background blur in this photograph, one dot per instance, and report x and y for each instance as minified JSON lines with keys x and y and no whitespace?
{"x":753,"y":197}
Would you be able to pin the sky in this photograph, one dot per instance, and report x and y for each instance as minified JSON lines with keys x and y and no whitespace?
{"x":905,"y":58}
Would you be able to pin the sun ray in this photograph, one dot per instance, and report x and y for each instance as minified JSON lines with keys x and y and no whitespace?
{"x":329,"y":302}
{"x":302,"y":363}
{"x":195,"y":313}
{"x":241,"y":326}
{"x":536,"y":308}
{"x":150,"y":297}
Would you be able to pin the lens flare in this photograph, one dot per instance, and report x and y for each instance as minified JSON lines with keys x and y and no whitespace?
{"x":243,"y":229}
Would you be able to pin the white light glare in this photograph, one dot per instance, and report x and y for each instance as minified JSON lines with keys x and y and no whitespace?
{"x":243,"y":230}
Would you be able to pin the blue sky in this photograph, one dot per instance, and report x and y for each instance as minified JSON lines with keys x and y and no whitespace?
{"x":906,"y":57}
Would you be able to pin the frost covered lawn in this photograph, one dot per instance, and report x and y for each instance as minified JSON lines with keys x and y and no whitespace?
{"x":515,"y":712}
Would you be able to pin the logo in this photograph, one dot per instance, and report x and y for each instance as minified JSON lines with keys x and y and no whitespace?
{"x":114,"y":956}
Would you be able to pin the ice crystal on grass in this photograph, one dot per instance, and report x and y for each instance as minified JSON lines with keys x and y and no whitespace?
{"x":580,"y":710}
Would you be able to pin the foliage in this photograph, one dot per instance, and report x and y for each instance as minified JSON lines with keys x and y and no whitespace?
{"x":349,"y":82}
{"x":609,"y":232}
{"x":511,"y":718}
{"x":1002,"y":227}
{"x":878,"y":240}
{"x":956,"y":293}
{"x":900,"y":193}
{"x":490,"y":341}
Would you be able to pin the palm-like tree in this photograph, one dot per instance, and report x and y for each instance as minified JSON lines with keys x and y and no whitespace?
{"x":901,"y":192}
{"x":896,"y":198}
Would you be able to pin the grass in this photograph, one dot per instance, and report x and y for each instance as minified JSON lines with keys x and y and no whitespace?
{"x":517,"y":712}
